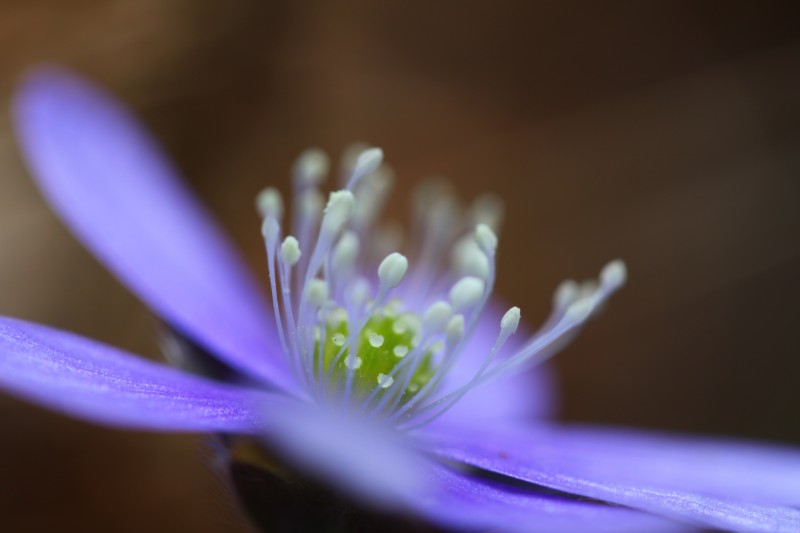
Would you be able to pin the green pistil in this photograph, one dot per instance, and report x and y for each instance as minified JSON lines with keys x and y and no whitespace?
{"x":381,"y":345}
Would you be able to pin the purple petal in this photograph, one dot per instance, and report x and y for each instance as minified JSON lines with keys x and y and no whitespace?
{"x":88,"y":380}
{"x":739,"y":487}
{"x":529,"y":395}
{"x":122,"y":199}
{"x":463,"y":501}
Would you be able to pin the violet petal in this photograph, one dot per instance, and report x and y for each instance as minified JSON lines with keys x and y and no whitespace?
{"x":101,"y":384}
{"x":463,"y":501}
{"x":730,"y":486}
{"x":113,"y":188}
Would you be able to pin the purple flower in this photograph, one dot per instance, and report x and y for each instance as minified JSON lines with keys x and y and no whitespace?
{"x":398,"y":381}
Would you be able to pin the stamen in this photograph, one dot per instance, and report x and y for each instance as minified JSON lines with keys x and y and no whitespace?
{"x":392,"y":270}
{"x":270,"y":202}
{"x":375,"y":340}
{"x":436,"y":317}
{"x":400,"y":351}
{"x":290,"y":251}
{"x":486,"y":239}
{"x":368,"y":161}
{"x":455,"y":330}
{"x":317,"y":292}
{"x":337,"y":212}
{"x":466,"y":293}
{"x":353,"y":362}
{"x":310,"y":168}
{"x":488,"y":209}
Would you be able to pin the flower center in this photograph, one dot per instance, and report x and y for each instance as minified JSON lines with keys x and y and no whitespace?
{"x":374,"y":357}
{"x":386,"y":346}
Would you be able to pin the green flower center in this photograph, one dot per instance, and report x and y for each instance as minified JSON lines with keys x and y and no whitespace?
{"x":375,"y":354}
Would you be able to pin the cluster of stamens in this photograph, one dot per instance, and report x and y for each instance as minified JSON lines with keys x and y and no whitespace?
{"x":362,"y":326}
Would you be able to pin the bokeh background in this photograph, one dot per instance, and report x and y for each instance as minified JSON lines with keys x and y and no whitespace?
{"x":665,"y":133}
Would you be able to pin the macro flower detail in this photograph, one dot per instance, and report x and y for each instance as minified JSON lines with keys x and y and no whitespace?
{"x":384,"y":369}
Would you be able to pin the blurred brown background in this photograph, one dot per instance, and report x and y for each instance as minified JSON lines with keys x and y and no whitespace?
{"x":665,"y":133}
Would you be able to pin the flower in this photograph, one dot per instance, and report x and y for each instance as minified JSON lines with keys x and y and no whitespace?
{"x":395,"y":380}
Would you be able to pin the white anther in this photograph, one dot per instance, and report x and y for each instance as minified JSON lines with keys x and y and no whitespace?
{"x":579,"y":310}
{"x":311,"y":167}
{"x":468,"y":258}
{"x":290,"y":250}
{"x":510,"y":321}
{"x":353,"y":362}
{"x":337,"y":316}
{"x":338,"y":339}
{"x":614,"y":275}
{"x":566,"y":293}
{"x":466,"y":293}
{"x":345,"y":253}
{"x":385,"y":381}
{"x":588,"y":288}
{"x":488,"y":209}
{"x":317,"y":292}
{"x":486,"y":239}
{"x":392,"y":270}
{"x":359,"y":292}
{"x":338,"y":211}
{"x":436,"y":317}
{"x":400,"y":351}
{"x":366,"y":163}
{"x":375,"y":340}
{"x":270,"y":202}
{"x":455,"y":330}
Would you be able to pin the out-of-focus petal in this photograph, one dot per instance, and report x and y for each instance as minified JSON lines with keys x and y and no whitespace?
{"x":97,"y":383}
{"x":737,"y":487}
{"x":123,"y":200}
{"x":525,"y":396}
{"x":354,"y":453}
{"x":463,"y":501}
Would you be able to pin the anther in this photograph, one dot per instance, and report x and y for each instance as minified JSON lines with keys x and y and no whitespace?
{"x":385,"y":381}
{"x":345,"y":253}
{"x":311,"y":167}
{"x":353,"y":362}
{"x":317,"y":292}
{"x":466,"y":293}
{"x":614,"y":275}
{"x":367,"y":162}
{"x":290,"y":251}
{"x":455,"y":330}
{"x":270,"y":202}
{"x":436,"y":317}
{"x":338,"y":211}
{"x":400,"y":351}
{"x":486,"y":238}
{"x":510,"y":321}
{"x":392,"y":270}
{"x":566,"y":294}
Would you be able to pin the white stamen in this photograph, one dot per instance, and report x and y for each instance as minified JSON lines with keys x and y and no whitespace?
{"x":392,"y":270}
{"x":455,"y":330}
{"x":338,"y":339}
{"x":468,"y":258}
{"x":437,"y":316}
{"x":566,"y":294}
{"x":579,"y":310}
{"x":400,"y":351}
{"x":486,"y":238}
{"x":385,"y":381}
{"x":368,"y":161}
{"x":375,"y":340}
{"x":359,"y":293}
{"x":290,"y":250}
{"x":337,"y":212}
{"x":317,"y":292}
{"x":510,"y":321}
{"x":311,"y":203}
{"x":337,"y":316}
{"x":269,"y":202}
{"x":614,"y":275}
{"x":353,"y":362}
{"x":345,"y":253}
{"x":311,"y":167}
{"x":466,"y":293}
